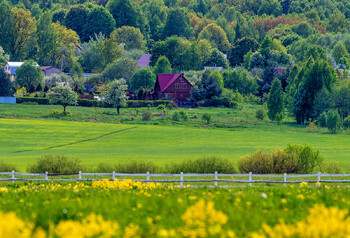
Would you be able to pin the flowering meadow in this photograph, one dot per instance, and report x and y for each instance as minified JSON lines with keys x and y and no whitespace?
{"x":135,"y":209}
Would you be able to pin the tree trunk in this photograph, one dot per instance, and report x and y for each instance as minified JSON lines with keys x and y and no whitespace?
{"x":118,"y":110}
{"x":64,"y":110}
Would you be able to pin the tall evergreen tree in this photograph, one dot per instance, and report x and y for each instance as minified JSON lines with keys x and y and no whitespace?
{"x":275,"y":100}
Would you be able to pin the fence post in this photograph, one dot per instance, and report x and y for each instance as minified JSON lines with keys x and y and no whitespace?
{"x":284,"y":179}
{"x":147,"y":177}
{"x":250,"y":179}
{"x":216,"y":178}
{"x":181,"y":179}
{"x":13,"y":176}
{"x":113,"y":176}
{"x":79,"y":174}
{"x":46,"y":175}
{"x":319,"y":179}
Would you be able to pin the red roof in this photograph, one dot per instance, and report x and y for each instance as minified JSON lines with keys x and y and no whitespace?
{"x":47,"y":67}
{"x":165,"y":80}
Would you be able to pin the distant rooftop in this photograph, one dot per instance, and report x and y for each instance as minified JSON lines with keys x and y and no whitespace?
{"x":15,"y":64}
{"x":144,"y":60}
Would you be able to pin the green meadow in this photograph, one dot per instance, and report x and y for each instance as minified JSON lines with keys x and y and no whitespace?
{"x":23,"y":141}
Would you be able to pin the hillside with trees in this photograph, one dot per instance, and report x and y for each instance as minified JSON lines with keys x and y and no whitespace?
{"x":248,"y":45}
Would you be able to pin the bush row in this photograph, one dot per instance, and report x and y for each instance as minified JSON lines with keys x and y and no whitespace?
{"x":293,"y":159}
{"x":95,"y":103}
{"x":62,"y":164}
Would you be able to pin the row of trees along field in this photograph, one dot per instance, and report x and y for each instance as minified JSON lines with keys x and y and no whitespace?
{"x":305,"y":40}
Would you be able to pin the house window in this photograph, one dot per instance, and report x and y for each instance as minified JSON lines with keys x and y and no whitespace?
{"x":184,"y":85}
{"x":177,"y":85}
{"x":168,"y":96}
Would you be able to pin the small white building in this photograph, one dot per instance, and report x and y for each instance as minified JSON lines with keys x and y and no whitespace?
{"x":11,"y":67}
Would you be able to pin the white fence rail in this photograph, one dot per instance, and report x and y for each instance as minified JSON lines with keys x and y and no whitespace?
{"x":214,"y":178}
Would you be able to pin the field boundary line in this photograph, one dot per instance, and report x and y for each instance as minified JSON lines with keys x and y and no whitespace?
{"x":80,"y":141}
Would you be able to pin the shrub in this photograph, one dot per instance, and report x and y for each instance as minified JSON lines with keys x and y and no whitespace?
{"x":146,"y":115}
{"x":307,"y":158}
{"x":293,"y":159}
{"x":6,"y":167}
{"x":180,"y":116}
{"x":312,"y":128}
{"x":233,"y":104}
{"x":346,"y":122}
{"x":260,"y":114}
{"x":333,"y":121}
{"x":206,"y":117}
{"x":133,"y":166}
{"x":55,"y":164}
{"x":57,"y":113}
{"x":202,"y":165}
{"x":260,"y":163}
{"x":330,"y":168}
{"x":322,"y":120}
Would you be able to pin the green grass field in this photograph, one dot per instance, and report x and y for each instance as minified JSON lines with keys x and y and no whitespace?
{"x":23,"y":141}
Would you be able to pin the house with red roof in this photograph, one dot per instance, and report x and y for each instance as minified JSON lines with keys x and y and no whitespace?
{"x":172,"y":87}
{"x":49,"y":70}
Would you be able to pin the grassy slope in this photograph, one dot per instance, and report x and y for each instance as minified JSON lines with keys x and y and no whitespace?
{"x":23,"y":141}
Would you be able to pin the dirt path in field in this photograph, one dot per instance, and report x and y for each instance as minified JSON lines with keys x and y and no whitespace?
{"x":80,"y":141}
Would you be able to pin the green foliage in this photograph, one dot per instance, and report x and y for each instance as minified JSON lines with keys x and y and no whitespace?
{"x":203,"y":165}
{"x":260,"y":114}
{"x":293,"y":159}
{"x":55,"y":164}
{"x":307,"y":157}
{"x":146,"y":115}
{"x":5,"y":85}
{"x":270,"y":7}
{"x":178,"y":23}
{"x":216,"y":36}
{"x":76,"y":18}
{"x":322,"y":120}
{"x":179,"y":116}
{"x":29,"y":75}
{"x":346,"y":122}
{"x":333,"y":121}
{"x":130,"y":36}
{"x":340,"y":51}
{"x":127,"y":13}
{"x":7,"y":167}
{"x":63,"y":95}
{"x":240,"y":49}
{"x":120,"y":68}
{"x":143,"y":78}
{"x":275,"y":100}
{"x":206,"y":117}
{"x":206,"y":88}
{"x":99,"y":20}
{"x":240,"y":80}
{"x":162,"y":66}
{"x":134,"y":166}
{"x":233,"y":104}
{"x":116,"y":94}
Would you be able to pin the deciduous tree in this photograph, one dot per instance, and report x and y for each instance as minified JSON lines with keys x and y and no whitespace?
{"x":99,"y":20}
{"x":29,"y":75}
{"x":143,"y":78}
{"x":63,"y":95}
{"x":116,"y":94}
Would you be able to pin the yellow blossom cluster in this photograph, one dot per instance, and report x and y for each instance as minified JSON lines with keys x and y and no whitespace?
{"x":91,"y":226}
{"x":12,"y":226}
{"x":202,"y":220}
{"x":321,"y":222}
{"x":124,"y":184}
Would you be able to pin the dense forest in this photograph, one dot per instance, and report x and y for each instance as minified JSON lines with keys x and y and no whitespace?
{"x":296,"y":51}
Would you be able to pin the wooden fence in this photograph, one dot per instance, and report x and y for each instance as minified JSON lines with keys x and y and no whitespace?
{"x":210,"y":180}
